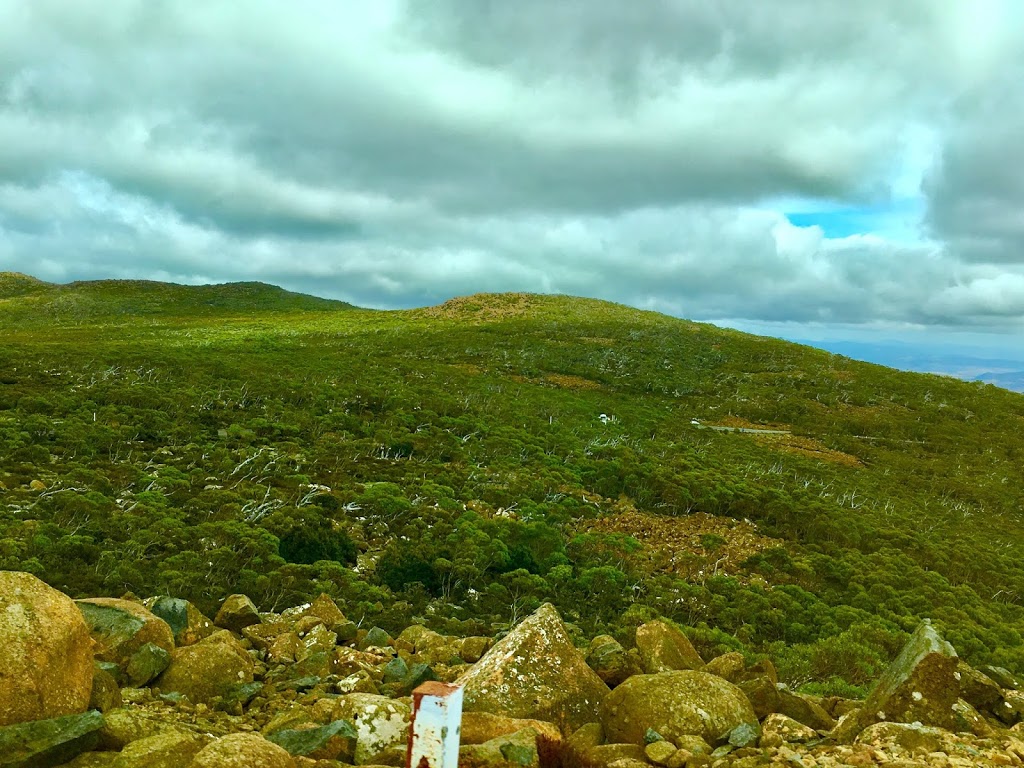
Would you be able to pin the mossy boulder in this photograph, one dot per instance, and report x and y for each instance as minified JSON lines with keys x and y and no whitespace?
{"x":207,"y":670}
{"x":167,"y":749}
{"x":675,"y":704}
{"x":920,"y":686}
{"x":236,"y":613}
{"x":51,"y":742}
{"x":242,"y":750}
{"x":46,"y":652}
{"x":536,"y":672}
{"x":122,"y":627}
{"x":664,"y":648}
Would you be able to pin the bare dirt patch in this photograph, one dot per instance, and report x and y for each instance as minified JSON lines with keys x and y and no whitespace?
{"x":695,"y":546}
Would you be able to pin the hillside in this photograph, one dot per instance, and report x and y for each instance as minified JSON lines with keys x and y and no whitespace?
{"x":462,"y":464}
{"x":29,"y":301}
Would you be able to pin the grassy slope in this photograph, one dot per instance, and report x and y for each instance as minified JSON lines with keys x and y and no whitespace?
{"x":896,"y":497}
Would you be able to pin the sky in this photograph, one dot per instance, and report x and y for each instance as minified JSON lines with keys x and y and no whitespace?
{"x":797,"y":168}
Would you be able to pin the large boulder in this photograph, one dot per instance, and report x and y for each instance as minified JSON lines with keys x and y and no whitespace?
{"x":122,"y":627}
{"x":167,"y":749}
{"x":43,"y":743}
{"x":663,"y":648}
{"x":675,"y":704}
{"x":921,"y":685}
{"x":207,"y":670}
{"x":242,"y":750}
{"x":535,"y":672}
{"x":46,"y":654}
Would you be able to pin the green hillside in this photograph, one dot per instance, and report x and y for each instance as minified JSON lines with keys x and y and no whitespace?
{"x":463,"y":463}
{"x":28,"y":301}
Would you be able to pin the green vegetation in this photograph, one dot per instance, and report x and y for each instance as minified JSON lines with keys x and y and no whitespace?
{"x":466,"y":462}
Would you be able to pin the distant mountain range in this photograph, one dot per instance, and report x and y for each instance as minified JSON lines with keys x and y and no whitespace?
{"x":1000,"y":371}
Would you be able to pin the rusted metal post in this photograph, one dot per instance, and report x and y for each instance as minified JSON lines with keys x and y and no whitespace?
{"x":436,"y":725}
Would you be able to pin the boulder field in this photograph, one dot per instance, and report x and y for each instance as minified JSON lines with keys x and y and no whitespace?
{"x":127,"y":683}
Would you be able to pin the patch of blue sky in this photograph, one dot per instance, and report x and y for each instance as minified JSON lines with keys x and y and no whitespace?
{"x":898,"y":221}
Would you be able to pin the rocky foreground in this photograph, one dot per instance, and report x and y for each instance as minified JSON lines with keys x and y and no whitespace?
{"x":106,"y":683}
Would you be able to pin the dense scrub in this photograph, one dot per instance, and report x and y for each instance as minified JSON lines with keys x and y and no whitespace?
{"x":465,"y":462}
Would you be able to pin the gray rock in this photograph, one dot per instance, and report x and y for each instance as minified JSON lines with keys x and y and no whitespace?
{"x":236,"y":613}
{"x":146,"y":664}
{"x":46,"y":743}
{"x":328,"y":742}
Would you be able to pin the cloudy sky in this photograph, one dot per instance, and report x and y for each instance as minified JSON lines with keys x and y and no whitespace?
{"x":797,"y":167}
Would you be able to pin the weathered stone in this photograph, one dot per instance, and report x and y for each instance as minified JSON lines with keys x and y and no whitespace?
{"x":262,"y":635}
{"x":358,"y":682}
{"x":479,"y":727}
{"x":729,"y":666}
{"x":612,"y":663}
{"x":236,"y":613}
{"x":578,"y":744}
{"x":909,"y":736}
{"x":187,"y":623}
{"x":121,"y":627}
{"x":1002,"y":677}
{"x":805,"y":709}
{"x":167,"y":749}
{"x":395,"y":671}
{"x":146,"y":664}
{"x":663,"y":648}
{"x":977,"y":689}
{"x":242,"y":750}
{"x":317,"y":640}
{"x":517,"y":750}
{"x":51,"y":742}
{"x":693,"y":744}
{"x":472,"y":649}
{"x":605,"y":755}
{"x":46,"y":653}
{"x":675,"y":704}
{"x":333,"y":741}
{"x":375,"y":638}
{"x":778,"y":729}
{"x":761,"y":669}
{"x":535,"y":672}
{"x":128,"y":724}
{"x":285,"y":648}
{"x":380,"y":722}
{"x":628,"y":762}
{"x":1011,"y":708}
{"x":763,"y":695}
{"x":325,"y":609}
{"x":236,"y":698}
{"x":967,"y":720}
{"x":208,"y":669}
{"x":106,"y":693}
{"x":919,"y":686}
{"x":659,"y":752}
{"x":744,"y":735}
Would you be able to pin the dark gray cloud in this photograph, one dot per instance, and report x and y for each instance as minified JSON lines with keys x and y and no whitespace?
{"x":398,"y":153}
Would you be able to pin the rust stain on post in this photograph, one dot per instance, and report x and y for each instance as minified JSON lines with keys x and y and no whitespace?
{"x":436,"y":726}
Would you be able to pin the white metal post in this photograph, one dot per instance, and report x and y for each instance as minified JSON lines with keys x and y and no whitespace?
{"x":436,"y":725}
